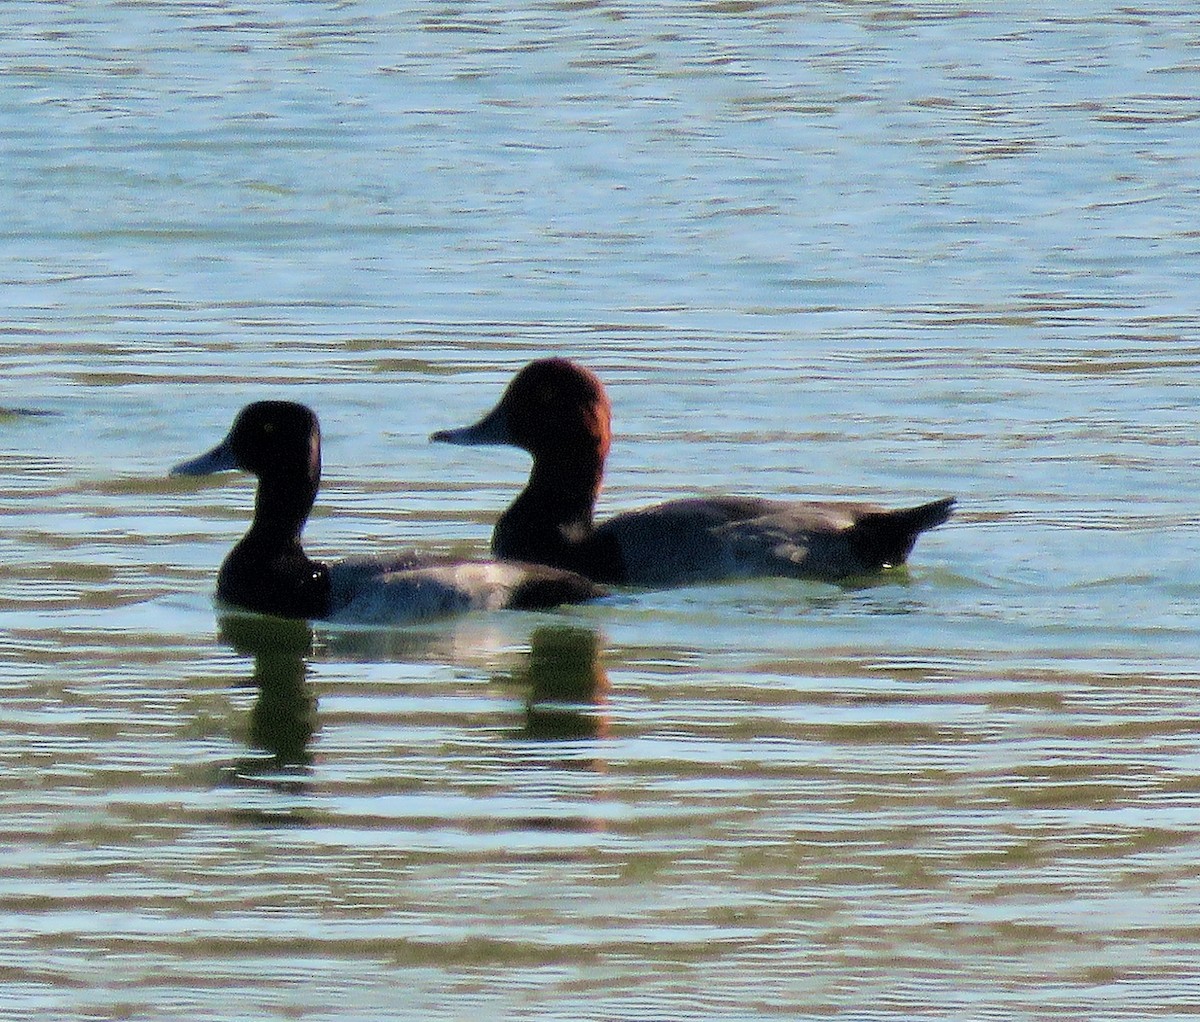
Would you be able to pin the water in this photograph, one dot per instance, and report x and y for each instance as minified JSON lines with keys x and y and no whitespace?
{"x":877,"y":250}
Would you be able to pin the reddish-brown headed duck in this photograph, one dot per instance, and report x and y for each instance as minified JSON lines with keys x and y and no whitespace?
{"x":269,"y":572}
{"x":558,"y":411}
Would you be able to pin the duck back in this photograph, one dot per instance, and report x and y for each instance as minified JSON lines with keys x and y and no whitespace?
{"x":437,"y":589}
{"x":687,"y":542}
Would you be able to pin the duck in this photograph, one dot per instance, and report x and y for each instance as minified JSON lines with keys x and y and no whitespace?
{"x":268,"y":571}
{"x":558,"y":412}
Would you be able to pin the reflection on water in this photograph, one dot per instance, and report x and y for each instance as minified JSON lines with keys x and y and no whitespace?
{"x":564,"y":685}
{"x":841,"y":250}
{"x":284,"y":717}
{"x":560,"y":681}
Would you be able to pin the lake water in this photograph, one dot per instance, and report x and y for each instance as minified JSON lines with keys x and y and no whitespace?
{"x":878,"y":249}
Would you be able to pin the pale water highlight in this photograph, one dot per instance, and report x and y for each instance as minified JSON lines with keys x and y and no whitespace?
{"x":884,"y":251}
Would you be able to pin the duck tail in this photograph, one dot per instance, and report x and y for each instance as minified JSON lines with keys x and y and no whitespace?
{"x":885,"y":538}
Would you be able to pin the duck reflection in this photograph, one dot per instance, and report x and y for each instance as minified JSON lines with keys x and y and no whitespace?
{"x":562,"y":680}
{"x":565,"y":685}
{"x":284,"y":717}
{"x":469,"y":641}
{"x":559,"y":682}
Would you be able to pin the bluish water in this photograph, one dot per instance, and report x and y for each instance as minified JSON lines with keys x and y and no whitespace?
{"x":878,"y":250}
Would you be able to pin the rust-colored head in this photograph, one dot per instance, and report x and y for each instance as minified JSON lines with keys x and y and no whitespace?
{"x":552,"y":407}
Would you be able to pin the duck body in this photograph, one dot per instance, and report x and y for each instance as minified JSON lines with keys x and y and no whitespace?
{"x":558,"y":412}
{"x":269,"y":572}
{"x":429,"y":588}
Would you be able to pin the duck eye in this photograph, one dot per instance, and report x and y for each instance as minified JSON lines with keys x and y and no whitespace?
{"x":268,"y":427}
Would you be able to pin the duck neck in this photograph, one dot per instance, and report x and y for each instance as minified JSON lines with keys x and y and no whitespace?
{"x":281,"y":507}
{"x":268,"y":571}
{"x":554,"y":513}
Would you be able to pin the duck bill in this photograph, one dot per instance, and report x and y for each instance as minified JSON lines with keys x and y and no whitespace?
{"x":220,"y":459}
{"x":491,"y":429}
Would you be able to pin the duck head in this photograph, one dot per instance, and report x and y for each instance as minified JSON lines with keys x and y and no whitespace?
{"x":273,"y":440}
{"x":553,"y":408}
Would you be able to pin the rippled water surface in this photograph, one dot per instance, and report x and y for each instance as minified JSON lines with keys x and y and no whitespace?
{"x":875,"y":249}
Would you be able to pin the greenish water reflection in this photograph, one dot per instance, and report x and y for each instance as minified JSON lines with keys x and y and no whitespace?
{"x":563,"y":684}
{"x":560,"y":681}
{"x":284,"y":718}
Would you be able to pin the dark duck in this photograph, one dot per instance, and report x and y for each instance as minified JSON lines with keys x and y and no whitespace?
{"x":558,"y":412}
{"x":268,"y":572}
